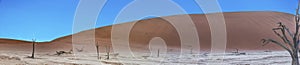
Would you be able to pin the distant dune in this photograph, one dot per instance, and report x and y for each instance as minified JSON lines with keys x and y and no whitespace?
{"x":245,"y":31}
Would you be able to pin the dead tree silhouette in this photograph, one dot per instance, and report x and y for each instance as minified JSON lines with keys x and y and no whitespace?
{"x":33,"y":48}
{"x":290,"y":40}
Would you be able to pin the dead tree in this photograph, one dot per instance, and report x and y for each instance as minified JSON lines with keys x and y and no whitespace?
{"x":290,"y":40}
{"x":191,"y":50}
{"x":63,"y":52}
{"x":79,"y":50}
{"x":60,"y":52}
{"x":107,"y":48}
{"x":33,"y":48}
{"x":158,"y":53}
{"x":97,"y":48}
{"x":236,"y":50}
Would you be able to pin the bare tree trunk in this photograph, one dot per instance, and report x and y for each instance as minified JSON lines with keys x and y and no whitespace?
{"x":295,"y":61}
{"x":33,"y":48}
{"x":191,"y":51}
{"x":97,"y":46}
{"x":107,"y":52}
{"x":296,"y":38}
{"x":158,"y":53}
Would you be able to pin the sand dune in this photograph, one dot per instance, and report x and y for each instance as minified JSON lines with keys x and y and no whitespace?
{"x":245,"y":30}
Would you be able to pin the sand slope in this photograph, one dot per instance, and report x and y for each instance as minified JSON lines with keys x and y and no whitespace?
{"x":245,"y":30}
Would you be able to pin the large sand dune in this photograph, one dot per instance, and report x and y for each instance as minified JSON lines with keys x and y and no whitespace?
{"x":244,"y":30}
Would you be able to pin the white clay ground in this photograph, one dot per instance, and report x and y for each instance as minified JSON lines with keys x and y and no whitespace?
{"x":252,"y":58}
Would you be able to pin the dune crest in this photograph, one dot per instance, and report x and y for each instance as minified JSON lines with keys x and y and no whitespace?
{"x":244,"y":30}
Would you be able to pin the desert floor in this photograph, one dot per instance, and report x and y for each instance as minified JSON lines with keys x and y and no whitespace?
{"x":253,"y":58}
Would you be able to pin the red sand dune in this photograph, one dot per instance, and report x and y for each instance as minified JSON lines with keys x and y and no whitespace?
{"x":244,"y":30}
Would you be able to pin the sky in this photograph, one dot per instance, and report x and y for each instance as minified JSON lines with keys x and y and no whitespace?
{"x":47,"y":20}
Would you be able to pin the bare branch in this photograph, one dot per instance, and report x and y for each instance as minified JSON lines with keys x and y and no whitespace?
{"x":282,"y":37}
{"x":288,"y":30}
{"x":283,"y":29}
{"x":266,"y":41}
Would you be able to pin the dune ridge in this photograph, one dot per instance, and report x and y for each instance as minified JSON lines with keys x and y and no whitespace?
{"x":244,"y":31}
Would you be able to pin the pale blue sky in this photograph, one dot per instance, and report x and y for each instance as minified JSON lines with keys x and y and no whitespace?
{"x":50,"y":19}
